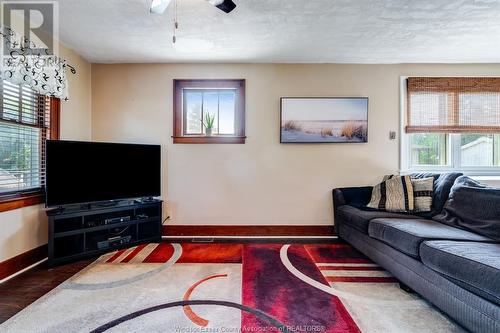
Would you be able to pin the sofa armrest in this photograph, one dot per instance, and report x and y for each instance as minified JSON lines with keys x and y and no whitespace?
{"x":354,"y":196}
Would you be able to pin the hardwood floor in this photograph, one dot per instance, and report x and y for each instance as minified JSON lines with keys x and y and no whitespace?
{"x":21,"y":291}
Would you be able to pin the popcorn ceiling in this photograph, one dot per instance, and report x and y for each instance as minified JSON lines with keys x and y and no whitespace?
{"x":287,"y":31}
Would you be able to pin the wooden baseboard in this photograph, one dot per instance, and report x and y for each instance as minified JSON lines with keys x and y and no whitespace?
{"x":21,"y":261}
{"x":233,"y":230}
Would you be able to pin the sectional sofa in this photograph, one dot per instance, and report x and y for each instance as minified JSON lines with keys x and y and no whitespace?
{"x":449,"y":262}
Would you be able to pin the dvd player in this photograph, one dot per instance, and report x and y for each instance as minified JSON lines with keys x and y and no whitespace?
{"x":113,"y":241}
{"x":118,"y":219}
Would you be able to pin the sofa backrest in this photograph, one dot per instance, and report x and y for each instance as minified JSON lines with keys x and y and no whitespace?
{"x":473,"y":206}
{"x":442,"y":186}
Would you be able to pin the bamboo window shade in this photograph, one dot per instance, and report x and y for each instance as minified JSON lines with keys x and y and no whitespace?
{"x":453,"y":105}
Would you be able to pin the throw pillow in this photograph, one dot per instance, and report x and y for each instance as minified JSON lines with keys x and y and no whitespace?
{"x":442,"y":186}
{"x":423,"y":191}
{"x":394,"y":194}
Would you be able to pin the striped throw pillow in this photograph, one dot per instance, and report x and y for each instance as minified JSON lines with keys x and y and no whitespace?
{"x":423,"y":191}
{"x":394,"y":194}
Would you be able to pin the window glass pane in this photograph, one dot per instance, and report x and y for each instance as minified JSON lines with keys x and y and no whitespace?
{"x":428,"y":149}
{"x":479,"y":109}
{"x":429,"y":109}
{"x":19,"y":157}
{"x":210,"y":107}
{"x":219,"y":104}
{"x":192,"y":107}
{"x":227,"y":101}
{"x":479,"y":149}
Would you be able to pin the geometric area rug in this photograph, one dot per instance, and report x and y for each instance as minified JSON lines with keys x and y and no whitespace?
{"x":194,"y":287}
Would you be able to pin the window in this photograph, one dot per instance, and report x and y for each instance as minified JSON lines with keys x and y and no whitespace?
{"x":452,"y":124}
{"x":209,"y":111}
{"x":27,"y":119}
{"x":428,"y":149}
{"x":479,"y":150}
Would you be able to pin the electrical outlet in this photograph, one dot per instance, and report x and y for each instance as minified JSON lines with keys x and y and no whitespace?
{"x":167,"y":211}
{"x":392,"y":135}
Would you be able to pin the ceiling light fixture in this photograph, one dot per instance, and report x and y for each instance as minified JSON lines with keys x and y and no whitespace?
{"x":176,"y":23}
{"x":159,"y":6}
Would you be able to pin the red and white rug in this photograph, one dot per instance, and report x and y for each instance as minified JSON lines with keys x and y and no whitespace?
{"x":231,"y":288}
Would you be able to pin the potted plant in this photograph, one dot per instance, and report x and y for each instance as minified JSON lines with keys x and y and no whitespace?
{"x":209,"y":123}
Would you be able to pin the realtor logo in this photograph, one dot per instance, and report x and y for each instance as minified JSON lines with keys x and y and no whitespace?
{"x":31,"y":27}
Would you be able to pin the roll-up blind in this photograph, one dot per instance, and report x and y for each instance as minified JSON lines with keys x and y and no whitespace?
{"x":453,"y":105}
{"x":24,"y":127}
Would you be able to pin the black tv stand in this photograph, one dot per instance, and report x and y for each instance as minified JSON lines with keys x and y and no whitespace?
{"x":103,"y":204}
{"x":91,"y":230}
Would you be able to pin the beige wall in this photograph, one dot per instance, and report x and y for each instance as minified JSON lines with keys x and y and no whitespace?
{"x":261,"y":182}
{"x":26,"y":228}
{"x":76,"y":113}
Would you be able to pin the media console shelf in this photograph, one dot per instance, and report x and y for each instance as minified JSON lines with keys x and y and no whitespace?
{"x":78,"y":233}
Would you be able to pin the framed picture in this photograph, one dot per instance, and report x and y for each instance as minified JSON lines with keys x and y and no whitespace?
{"x":323,"y":119}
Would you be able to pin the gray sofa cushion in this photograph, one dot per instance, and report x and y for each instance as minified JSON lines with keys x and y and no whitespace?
{"x":442,"y":186}
{"x":473,"y":266}
{"x":406,"y":235}
{"x":473,"y":206}
{"x":358,"y":218}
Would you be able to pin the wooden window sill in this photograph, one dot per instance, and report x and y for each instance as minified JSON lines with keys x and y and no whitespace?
{"x":22,"y":200}
{"x":215,"y":139}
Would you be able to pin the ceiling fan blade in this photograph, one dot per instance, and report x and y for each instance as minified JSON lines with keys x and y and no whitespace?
{"x":224,"y":5}
{"x":159,"y":6}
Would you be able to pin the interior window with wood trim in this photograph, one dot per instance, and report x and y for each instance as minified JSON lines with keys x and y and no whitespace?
{"x":27,"y":120}
{"x":452,"y":123}
{"x":209,"y":111}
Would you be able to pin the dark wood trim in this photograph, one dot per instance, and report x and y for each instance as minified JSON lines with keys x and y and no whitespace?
{"x":234,"y":230}
{"x":208,"y":83}
{"x":55,"y":118}
{"x":254,"y":240}
{"x":24,"y":199}
{"x":21,"y":261}
{"x":209,"y":139}
{"x":21,"y":200}
{"x":179,"y":85}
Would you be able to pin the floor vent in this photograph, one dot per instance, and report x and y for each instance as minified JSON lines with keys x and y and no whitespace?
{"x":202,"y":240}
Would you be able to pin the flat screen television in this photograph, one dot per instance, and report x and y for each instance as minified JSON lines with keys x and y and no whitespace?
{"x":85,"y":172}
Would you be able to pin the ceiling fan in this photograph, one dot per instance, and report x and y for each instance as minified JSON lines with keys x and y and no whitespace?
{"x":159,"y":6}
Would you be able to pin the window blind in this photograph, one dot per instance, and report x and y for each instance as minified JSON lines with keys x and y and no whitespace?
{"x":24,"y":127}
{"x":453,"y":105}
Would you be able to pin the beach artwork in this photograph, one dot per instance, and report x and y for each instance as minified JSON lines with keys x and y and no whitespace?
{"x":324,"y":120}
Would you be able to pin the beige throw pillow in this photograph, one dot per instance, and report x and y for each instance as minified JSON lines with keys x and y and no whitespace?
{"x":394,"y":194}
{"x":423,"y":191}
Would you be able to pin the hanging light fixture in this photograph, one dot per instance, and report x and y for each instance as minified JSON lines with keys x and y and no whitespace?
{"x":159,"y":6}
{"x":176,"y":23}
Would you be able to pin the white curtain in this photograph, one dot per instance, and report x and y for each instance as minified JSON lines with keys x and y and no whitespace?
{"x":45,"y":74}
